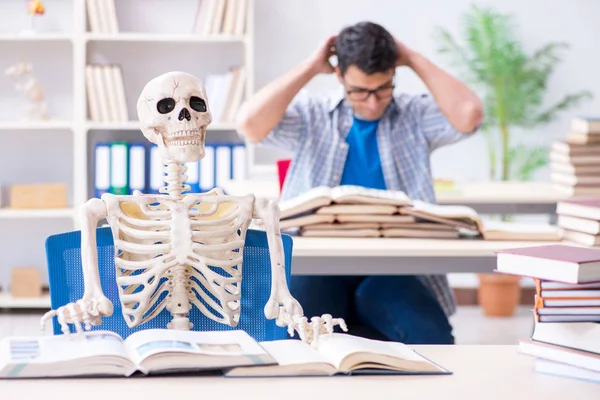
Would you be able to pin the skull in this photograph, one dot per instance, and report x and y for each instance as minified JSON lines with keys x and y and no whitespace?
{"x":173,"y":112}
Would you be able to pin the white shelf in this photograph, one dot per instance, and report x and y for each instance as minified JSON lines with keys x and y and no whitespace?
{"x":47,"y":37}
{"x":7,"y":301}
{"x":34,"y":213}
{"x":135,"y":125}
{"x":35,"y":125}
{"x":157,"y":38}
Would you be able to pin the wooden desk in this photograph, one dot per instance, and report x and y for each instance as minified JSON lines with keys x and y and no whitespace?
{"x":484,"y":197}
{"x":389,"y":256}
{"x":479,"y":372}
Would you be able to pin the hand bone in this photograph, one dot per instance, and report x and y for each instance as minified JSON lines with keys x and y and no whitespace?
{"x":311,"y":331}
{"x":82,"y":314}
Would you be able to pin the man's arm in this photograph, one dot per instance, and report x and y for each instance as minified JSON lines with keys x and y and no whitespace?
{"x":456,"y":101}
{"x":263,"y":111}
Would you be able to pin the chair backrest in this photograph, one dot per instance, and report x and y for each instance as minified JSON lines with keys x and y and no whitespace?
{"x":63,"y":253}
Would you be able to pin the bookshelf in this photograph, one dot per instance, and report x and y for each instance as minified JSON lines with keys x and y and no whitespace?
{"x":152,"y":37}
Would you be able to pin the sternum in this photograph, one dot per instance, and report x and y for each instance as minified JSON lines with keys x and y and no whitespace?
{"x":181,"y":233}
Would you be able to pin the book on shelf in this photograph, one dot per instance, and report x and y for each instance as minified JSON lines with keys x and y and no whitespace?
{"x":147,"y":352}
{"x":221,"y":17}
{"x":225,"y":93}
{"x":554,"y":262}
{"x":106,"y":93}
{"x":102,"y":16}
{"x":340,"y":354}
{"x":122,"y":167}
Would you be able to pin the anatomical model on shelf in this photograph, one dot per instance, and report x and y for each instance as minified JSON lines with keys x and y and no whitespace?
{"x":28,"y":84}
{"x":177,"y":235}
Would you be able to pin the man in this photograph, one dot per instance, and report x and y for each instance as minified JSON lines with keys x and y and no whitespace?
{"x":367,"y":136}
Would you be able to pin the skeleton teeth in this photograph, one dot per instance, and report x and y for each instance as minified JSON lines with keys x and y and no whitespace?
{"x":184,"y":133}
{"x":184,"y":142}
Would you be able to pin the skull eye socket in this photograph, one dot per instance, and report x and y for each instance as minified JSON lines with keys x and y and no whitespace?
{"x":165,"y":106}
{"x":197,"y":104}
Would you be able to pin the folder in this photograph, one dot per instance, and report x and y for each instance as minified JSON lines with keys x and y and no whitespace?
{"x":156,"y":175}
{"x":223,"y":164}
{"x":119,"y":167}
{"x":240,"y":162}
{"x":101,"y":169}
{"x":207,"y":169}
{"x":137,"y":167}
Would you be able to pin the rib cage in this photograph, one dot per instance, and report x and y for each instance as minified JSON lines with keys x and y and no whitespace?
{"x":193,"y":244}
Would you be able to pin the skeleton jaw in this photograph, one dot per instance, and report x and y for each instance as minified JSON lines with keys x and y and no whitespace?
{"x":183,"y":145}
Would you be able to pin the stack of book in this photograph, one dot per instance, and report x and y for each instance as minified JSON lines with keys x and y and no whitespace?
{"x":575,"y":161}
{"x":566,"y":335}
{"x":356,"y":211}
{"x":580,"y":220}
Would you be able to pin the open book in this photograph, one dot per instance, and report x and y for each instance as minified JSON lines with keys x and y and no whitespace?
{"x":340,"y":354}
{"x":151,"y":351}
{"x":464,"y":217}
{"x":322,"y":196}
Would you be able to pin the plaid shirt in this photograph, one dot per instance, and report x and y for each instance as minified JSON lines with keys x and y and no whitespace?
{"x":315,"y":129}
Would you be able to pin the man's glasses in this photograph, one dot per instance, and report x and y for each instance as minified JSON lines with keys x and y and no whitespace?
{"x":382,"y":93}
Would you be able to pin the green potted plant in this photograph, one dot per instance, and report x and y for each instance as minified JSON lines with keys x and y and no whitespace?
{"x":512,"y":83}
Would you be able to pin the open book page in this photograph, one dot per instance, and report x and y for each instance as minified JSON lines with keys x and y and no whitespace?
{"x":419,"y":233}
{"x":305,"y":202}
{"x":433,"y":226}
{"x":360,"y":194}
{"x":345,"y":218}
{"x":454,"y":215}
{"x":386,"y":209}
{"x":340,"y":232}
{"x":349,"y":353}
{"x":505,"y":230}
{"x":293,"y":357}
{"x":304,"y":220}
{"x":170,"y":350}
{"x":88,"y":353}
{"x":344,"y":226}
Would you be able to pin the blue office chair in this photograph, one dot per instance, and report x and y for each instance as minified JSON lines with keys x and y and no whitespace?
{"x":63,"y":253}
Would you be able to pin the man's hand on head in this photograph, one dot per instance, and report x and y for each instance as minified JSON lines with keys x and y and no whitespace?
{"x":320,"y":58}
{"x":404,"y":54}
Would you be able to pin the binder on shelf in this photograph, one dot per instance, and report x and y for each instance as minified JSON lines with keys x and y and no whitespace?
{"x":207,"y":169}
{"x":156,"y":170}
{"x":101,"y":169}
{"x":137,"y":167}
{"x":223,"y":164}
{"x":240,"y":162}
{"x":119,"y":166}
{"x":122,"y":167}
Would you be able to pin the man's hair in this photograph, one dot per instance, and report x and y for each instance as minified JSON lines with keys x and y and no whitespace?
{"x":368,"y":46}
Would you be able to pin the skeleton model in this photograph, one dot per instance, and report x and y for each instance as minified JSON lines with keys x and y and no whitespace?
{"x":29,"y":85}
{"x":178,"y":236}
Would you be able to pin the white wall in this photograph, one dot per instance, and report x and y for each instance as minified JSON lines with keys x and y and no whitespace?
{"x":288,"y":31}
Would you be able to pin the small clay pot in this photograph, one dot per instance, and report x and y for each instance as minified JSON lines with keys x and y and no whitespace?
{"x":499,"y":295}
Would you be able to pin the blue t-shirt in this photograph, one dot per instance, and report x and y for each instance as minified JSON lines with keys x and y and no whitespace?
{"x":363,"y":165}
